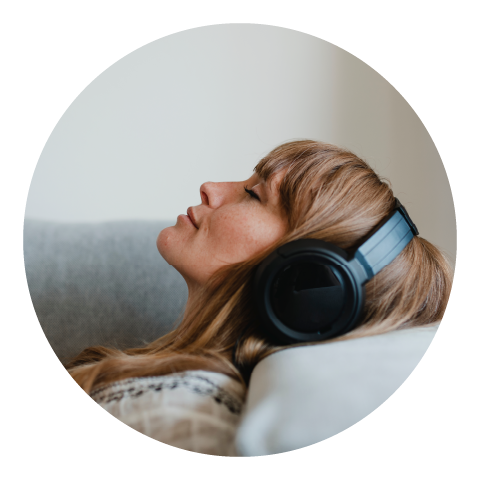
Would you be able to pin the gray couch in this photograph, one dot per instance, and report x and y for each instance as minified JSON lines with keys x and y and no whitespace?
{"x":107,"y":284}
{"x":101,"y":284}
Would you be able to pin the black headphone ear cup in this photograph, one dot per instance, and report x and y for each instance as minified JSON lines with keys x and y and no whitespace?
{"x":306,"y":291}
{"x":307,"y":297}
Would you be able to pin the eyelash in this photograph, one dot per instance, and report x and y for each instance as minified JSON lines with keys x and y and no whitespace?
{"x":252,"y":193}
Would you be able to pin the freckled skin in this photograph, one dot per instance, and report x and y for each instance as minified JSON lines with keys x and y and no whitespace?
{"x":232,"y":227}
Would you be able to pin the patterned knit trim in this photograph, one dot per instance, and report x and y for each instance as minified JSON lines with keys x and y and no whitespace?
{"x":195,"y":382}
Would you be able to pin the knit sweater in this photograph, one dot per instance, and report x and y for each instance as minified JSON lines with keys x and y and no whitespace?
{"x":194,"y":410}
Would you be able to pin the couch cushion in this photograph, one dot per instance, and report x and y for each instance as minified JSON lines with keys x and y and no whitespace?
{"x":102,"y":283}
{"x":300,"y":396}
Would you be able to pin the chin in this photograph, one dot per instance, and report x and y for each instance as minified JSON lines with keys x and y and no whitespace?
{"x":163,"y":243}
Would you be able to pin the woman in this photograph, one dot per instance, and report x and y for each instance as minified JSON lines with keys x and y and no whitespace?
{"x":302,"y":189}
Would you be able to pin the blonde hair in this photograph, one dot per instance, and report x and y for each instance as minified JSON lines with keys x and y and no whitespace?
{"x":327,"y":193}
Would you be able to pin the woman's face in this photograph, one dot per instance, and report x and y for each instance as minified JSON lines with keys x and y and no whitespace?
{"x":231,"y":225}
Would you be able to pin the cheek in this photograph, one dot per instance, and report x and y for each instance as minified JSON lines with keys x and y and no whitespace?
{"x":242,"y":235}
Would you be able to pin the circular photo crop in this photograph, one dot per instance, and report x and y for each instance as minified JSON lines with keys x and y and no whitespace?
{"x":239,"y":240}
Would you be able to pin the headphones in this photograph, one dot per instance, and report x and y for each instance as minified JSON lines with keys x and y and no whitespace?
{"x":310,"y":290}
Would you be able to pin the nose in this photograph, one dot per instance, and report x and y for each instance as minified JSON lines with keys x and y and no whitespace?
{"x":215,"y":194}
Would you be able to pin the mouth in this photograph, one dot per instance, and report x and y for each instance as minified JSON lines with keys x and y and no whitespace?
{"x":191,"y":216}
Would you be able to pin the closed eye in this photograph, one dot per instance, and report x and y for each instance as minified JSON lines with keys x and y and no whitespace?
{"x":252,"y":193}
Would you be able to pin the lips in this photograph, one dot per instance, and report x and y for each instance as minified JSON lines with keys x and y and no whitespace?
{"x":192,"y":216}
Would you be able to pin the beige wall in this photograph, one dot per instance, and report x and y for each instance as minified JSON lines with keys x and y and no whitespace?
{"x":376,"y":122}
{"x":206,"y":104}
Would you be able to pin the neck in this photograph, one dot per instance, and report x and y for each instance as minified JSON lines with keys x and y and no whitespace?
{"x":193,"y":292}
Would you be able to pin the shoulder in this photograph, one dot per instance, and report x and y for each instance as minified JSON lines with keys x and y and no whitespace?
{"x":194,"y":410}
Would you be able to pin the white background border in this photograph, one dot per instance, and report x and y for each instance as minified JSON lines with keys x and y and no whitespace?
{"x":51,"y":50}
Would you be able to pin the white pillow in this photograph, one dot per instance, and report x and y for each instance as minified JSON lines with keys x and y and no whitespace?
{"x":300,"y":396}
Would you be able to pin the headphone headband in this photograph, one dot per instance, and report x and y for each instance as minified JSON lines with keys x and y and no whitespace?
{"x":386,"y":243}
